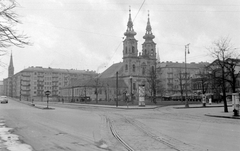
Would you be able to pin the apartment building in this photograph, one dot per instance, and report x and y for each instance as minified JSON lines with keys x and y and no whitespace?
{"x":31,"y":83}
{"x":176,"y":78}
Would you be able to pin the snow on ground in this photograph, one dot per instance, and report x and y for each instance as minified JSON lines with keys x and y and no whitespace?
{"x":10,"y":141}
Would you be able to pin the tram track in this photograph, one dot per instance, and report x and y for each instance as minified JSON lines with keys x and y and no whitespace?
{"x":144,"y":136}
{"x":172,"y":143}
{"x":117,"y":136}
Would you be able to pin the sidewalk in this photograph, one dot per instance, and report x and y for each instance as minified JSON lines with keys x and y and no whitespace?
{"x":214,"y":110}
{"x":43,"y":105}
{"x":219,"y":113}
{"x":192,"y":106}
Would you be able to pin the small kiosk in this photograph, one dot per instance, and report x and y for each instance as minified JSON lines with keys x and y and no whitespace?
{"x":235,"y":103}
{"x":141,"y":93}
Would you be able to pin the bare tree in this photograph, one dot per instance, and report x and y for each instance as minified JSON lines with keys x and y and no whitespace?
{"x":231,"y":65}
{"x":204,"y":81}
{"x":97,"y":85}
{"x":180,"y":77}
{"x":221,"y":51}
{"x":153,"y":81}
{"x":8,"y":34}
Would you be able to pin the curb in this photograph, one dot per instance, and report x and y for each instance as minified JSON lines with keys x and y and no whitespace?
{"x":89,"y":105}
{"x":113,"y":107}
{"x":221,"y":116}
{"x":34,"y":105}
{"x":194,"y":107}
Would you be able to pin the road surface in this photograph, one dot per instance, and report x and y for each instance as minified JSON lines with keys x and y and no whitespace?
{"x":74,"y":128}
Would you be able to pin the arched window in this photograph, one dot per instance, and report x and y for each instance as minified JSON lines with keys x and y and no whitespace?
{"x":134,"y":86}
{"x":143,"y":71}
{"x":126,"y":67}
{"x":153,"y":69}
{"x":134,"y":68}
{"x":126,"y":50}
{"x":152,"y":52}
{"x":133,"y":49}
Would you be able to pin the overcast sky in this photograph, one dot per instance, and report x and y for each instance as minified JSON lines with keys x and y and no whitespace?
{"x":88,"y":34}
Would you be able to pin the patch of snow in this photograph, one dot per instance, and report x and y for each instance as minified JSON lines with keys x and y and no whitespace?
{"x":10,"y":141}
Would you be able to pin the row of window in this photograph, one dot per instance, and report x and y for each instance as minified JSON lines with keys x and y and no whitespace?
{"x":134,"y":69}
{"x":133,"y":50}
{"x":100,"y":91}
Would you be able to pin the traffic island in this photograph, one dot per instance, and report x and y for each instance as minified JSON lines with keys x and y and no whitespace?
{"x":48,"y":108}
{"x":45,"y":108}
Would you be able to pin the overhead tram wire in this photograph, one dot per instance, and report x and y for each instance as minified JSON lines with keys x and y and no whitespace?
{"x":139,"y":9}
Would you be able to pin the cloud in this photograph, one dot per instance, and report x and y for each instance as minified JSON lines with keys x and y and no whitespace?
{"x":41,"y":31}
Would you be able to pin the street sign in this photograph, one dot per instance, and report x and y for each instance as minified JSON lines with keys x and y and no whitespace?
{"x":47,"y":93}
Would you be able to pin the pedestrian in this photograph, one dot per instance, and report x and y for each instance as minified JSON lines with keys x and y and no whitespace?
{"x":210,"y":100}
{"x":204,"y":100}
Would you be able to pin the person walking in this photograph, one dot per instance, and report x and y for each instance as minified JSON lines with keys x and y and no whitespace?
{"x":210,"y":100}
{"x":204,"y":100}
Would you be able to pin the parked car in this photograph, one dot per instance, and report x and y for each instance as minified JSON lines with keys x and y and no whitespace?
{"x":3,"y":99}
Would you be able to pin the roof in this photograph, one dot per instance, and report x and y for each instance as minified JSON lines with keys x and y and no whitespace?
{"x":228,"y":60}
{"x":182,"y":65}
{"x":112,"y":70}
{"x":41,"y":69}
{"x":107,"y":82}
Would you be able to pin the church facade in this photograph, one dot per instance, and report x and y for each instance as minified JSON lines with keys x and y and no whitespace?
{"x":133,"y":71}
{"x":137,"y":64}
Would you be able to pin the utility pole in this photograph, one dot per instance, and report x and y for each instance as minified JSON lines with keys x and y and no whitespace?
{"x":131,"y":89}
{"x":72,"y":94}
{"x":116,"y":89}
{"x":20,"y":98}
{"x":186,"y":48}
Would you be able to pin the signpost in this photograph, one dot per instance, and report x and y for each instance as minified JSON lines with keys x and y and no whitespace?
{"x":47,"y":93}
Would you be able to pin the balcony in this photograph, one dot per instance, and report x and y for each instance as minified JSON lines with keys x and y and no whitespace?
{"x":25,"y":80}
{"x":40,"y":76}
{"x":25,"y":90}
{"x":25,"y":75}
{"x":40,"y":80}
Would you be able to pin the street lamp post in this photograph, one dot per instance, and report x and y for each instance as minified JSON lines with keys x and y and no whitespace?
{"x":116,"y":89}
{"x":131,"y":89}
{"x":20,"y":88}
{"x":186,"y":48}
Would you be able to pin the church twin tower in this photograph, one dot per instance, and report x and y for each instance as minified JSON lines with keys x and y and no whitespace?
{"x":138,"y":64}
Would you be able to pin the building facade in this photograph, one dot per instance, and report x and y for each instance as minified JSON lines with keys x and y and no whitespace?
{"x":137,"y":65}
{"x":209,"y":81}
{"x":175,"y":78}
{"x":132,"y":71}
{"x":31,"y":83}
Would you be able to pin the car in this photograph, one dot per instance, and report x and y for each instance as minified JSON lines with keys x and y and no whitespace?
{"x":3,"y":99}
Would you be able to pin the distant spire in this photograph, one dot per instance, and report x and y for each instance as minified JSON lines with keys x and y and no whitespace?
{"x":130,"y":23}
{"x":148,"y":28}
{"x":11,"y":61}
{"x":148,"y":35}
{"x":130,"y":31}
{"x":10,"y":67}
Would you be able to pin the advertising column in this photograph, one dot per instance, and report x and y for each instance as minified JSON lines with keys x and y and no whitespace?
{"x":141,"y":89}
{"x":235,"y":103}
